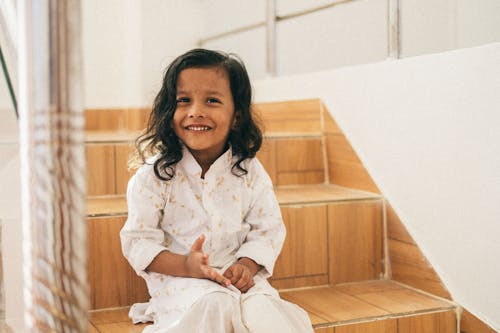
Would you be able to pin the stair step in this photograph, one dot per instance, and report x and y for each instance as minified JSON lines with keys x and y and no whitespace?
{"x":368,"y":306}
{"x":319,"y":220}
{"x":115,"y":205}
{"x":289,"y":158}
{"x":126,"y":136}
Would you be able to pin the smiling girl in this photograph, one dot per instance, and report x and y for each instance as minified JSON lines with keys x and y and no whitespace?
{"x":204,"y":228}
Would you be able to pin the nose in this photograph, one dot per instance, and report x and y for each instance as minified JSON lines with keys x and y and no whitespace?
{"x":196,"y":111}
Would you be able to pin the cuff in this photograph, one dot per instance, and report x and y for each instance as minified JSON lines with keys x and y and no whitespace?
{"x":144,"y":255}
{"x":260,"y":254}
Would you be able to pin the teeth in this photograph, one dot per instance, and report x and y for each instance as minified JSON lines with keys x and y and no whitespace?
{"x":198,"y":128}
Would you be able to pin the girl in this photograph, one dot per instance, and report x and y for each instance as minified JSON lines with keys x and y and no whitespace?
{"x":204,"y":228}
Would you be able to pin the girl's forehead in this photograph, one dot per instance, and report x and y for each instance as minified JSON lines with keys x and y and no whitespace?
{"x":203,"y":78}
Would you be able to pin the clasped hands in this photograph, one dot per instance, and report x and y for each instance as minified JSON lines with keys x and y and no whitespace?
{"x":240,"y":274}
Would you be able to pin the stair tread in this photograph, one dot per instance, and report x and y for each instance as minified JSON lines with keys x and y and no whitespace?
{"x":319,"y":193}
{"x":287,"y":195}
{"x":326,"y":306}
{"x":128,"y":136}
{"x":106,"y":206}
{"x":118,"y":136}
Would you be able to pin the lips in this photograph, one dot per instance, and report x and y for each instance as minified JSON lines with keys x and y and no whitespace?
{"x":198,"y":128}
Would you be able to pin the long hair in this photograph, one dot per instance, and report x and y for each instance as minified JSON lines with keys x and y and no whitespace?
{"x":159,"y":138}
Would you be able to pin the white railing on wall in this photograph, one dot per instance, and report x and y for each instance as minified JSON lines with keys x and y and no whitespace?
{"x":272,"y":19}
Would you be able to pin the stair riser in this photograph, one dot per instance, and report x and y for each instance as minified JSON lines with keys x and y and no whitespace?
{"x":437,"y":322}
{"x":291,"y":117}
{"x":289,"y":161}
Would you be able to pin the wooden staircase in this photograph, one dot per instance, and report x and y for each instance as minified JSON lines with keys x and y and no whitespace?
{"x":335,"y":261}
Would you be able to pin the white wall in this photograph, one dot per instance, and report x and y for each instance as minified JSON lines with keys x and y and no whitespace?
{"x":220,"y":16}
{"x":127,"y":44}
{"x":348,"y":34}
{"x":426,"y":129}
{"x":429,"y":26}
{"x":169,"y":28}
{"x":10,"y":210}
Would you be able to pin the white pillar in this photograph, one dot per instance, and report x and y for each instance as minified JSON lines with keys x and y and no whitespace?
{"x":52,"y":166}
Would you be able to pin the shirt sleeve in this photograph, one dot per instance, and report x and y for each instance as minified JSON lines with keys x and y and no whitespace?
{"x":142,"y":238}
{"x":267,"y":233}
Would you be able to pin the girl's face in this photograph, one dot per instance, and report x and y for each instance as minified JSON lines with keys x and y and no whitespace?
{"x":205,"y":111}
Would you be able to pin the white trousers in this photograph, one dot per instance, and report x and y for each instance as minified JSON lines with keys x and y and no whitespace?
{"x":220,"y":312}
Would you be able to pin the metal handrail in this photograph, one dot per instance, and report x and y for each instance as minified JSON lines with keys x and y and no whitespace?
{"x":278,"y":19}
{"x":8,"y":34}
{"x":393,"y":48}
{"x":9,"y":82}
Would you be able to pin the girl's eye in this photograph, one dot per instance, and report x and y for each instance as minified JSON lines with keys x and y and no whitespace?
{"x":213,"y":100}
{"x":182,"y":100}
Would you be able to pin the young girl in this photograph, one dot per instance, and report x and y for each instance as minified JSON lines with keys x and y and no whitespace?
{"x":204,"y":228}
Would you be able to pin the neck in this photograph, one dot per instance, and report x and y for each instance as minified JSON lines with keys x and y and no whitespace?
{"x":205,"y":160}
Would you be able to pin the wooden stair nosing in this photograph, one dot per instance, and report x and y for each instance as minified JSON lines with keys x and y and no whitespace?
{"x":128,"y":137}
{"x":289,"y":195}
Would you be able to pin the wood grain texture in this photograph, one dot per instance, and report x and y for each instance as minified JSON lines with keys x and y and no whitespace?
{"x":106,"y":206}
{"x":306,"y":177}
{"x":302,"y":154}
{"x":115,"y":315}
{"x":122,"y":174}
{"x":136,"y":119}
{"x":324,"y":330}
{"x":289,"y":195}
{"x":330,"y":125}
{"x":440,"y":322}
{"x":332,"y":305}
{"x":299,"y":161}
{"x":305,"y":249}
{"x":299,"y":282}
{"x":471,"y":324}
{"x":111,"y":136}
{"x":355,"y":241}
{"x":100,"y":169}
{"x":111,"y":279}
{"x":409,"y":266}
{"x":379,"y":326}
{"x":344,"y":166}
{"x":113,"y":119}
{"x":310,"y":194}
{"x":267,"y":156}
{"x":404,"y":301}
{"x":368,"y":287}
{"x":292,"y":116}
{"x":124,"y":327}
{"x":104,"y":119}
{"x":92,"y":329}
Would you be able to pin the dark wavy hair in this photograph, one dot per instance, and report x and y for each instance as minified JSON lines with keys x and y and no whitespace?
{"x":159,"y":137}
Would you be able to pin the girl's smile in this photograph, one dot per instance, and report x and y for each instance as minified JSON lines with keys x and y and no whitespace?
{"x":205,"y":113}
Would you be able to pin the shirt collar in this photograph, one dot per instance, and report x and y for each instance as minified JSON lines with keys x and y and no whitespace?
{"x":192,"y":168}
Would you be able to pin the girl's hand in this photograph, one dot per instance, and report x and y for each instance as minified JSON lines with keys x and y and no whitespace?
{"x":196,"y":264}
{"x":241,"y":274}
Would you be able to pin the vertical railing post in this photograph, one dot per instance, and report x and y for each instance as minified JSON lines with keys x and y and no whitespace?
{"x":271,"y":37}
{"x":52,"y":166}
{"x":394,"y":30}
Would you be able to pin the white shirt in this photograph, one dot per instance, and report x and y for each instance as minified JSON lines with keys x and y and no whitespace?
{"x":239,"y":216}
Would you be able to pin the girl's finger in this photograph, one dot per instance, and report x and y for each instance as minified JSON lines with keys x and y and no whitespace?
{"x":248,"y":286}
{"x":198,"y":243}
{"x":214,"y":276}
{"x":242,"y":282}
